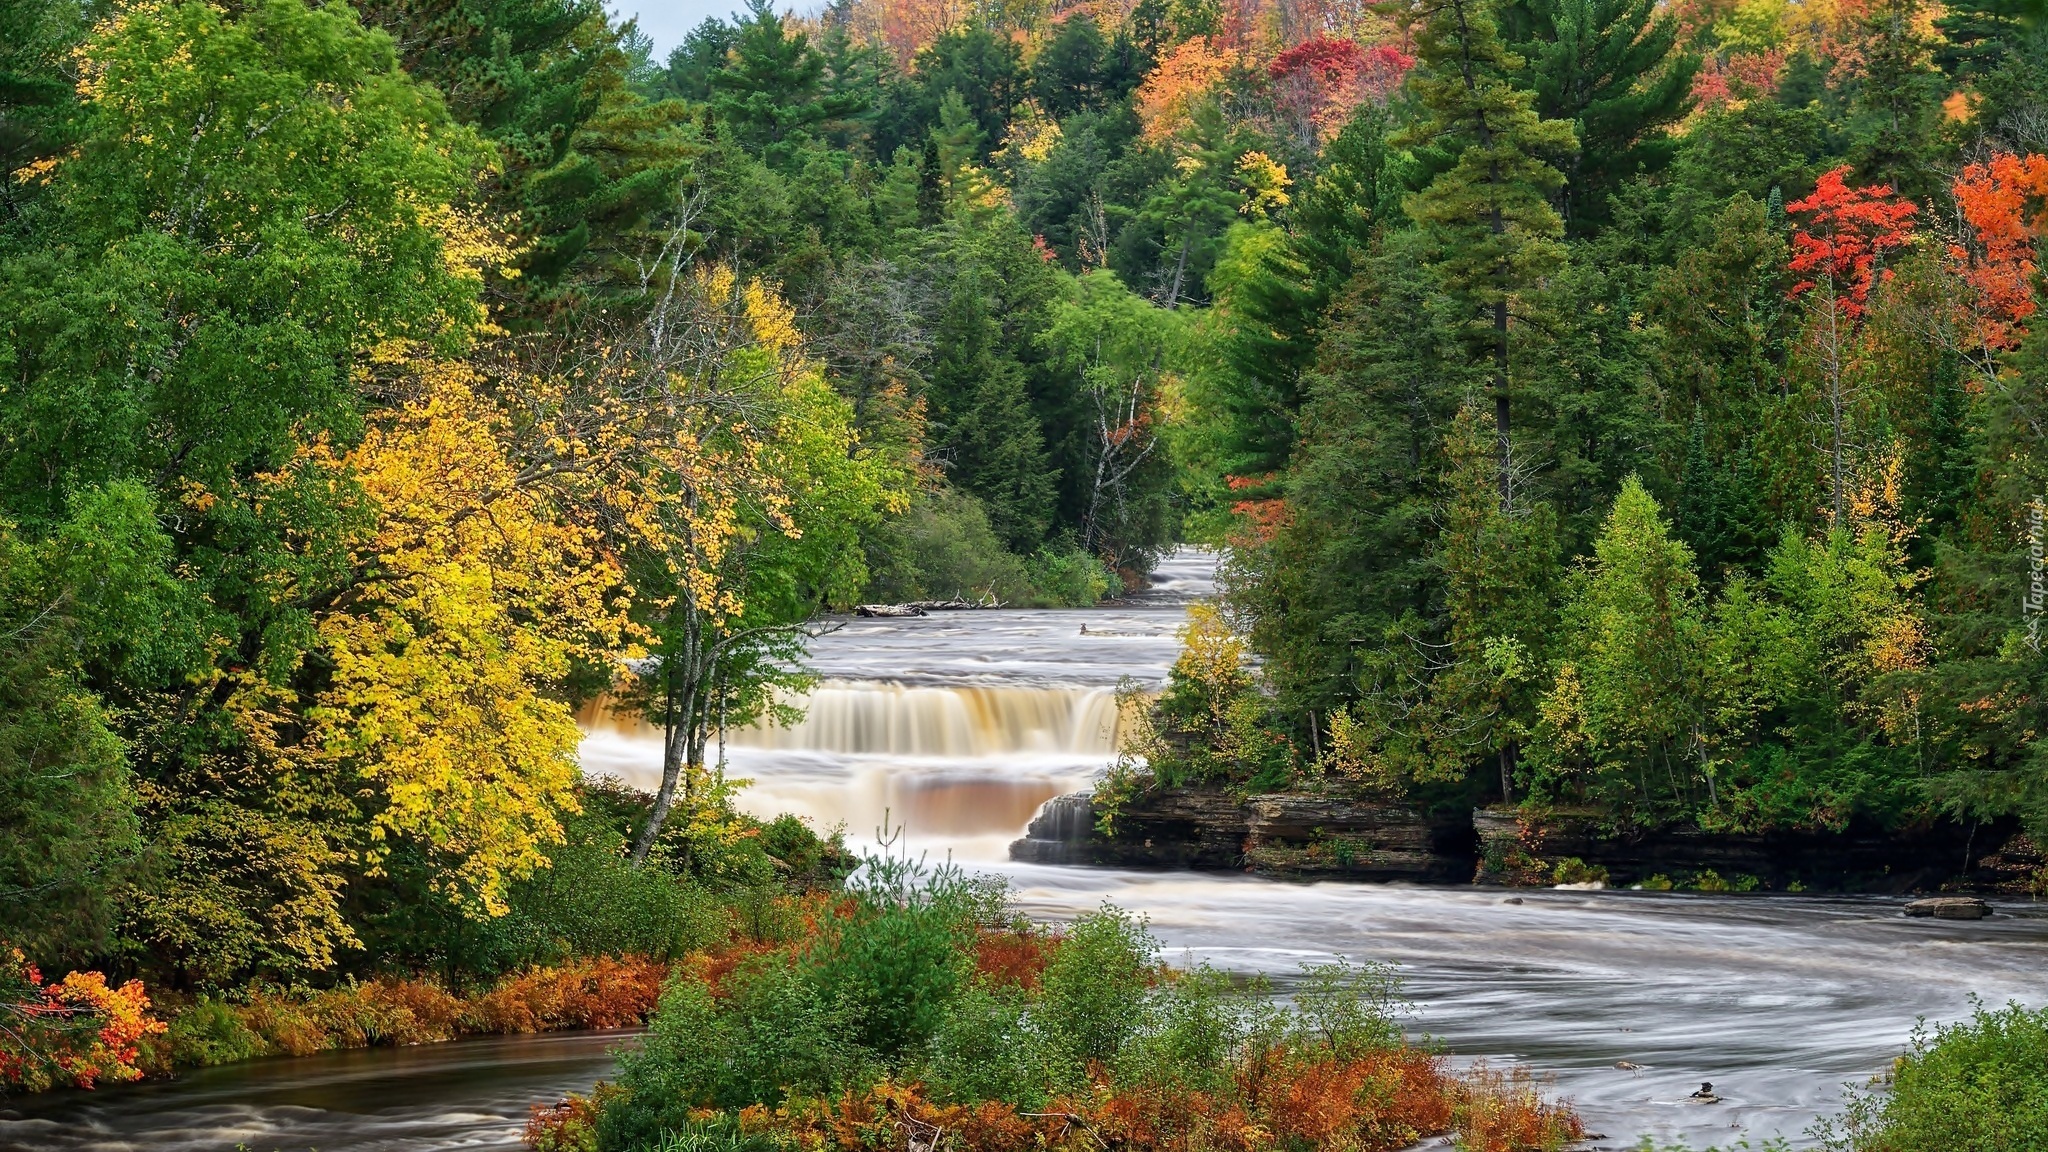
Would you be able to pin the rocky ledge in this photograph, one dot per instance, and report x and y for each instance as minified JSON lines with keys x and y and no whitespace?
{"x":1297,"y":834}
{"x":1524,"y":849}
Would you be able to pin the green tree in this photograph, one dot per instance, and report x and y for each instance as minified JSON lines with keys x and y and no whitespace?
{"x":1611,"y":69}
{"x":772,"y":88}
{"x":1070,"y":73}
{"x":1500,"y":565}
{"x":1624,"y":718}
{"x":1489,"y":209}
{"x":1979,"y":36}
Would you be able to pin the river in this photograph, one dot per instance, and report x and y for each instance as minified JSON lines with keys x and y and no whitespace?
{"x":955,"y":727}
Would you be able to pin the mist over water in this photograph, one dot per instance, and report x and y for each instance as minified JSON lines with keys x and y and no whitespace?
{"x":957,"y":726}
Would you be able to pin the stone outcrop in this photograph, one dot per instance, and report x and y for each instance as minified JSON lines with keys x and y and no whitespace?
{"x":1525,"y":849}
{"x":1298,"y":834}
{"x":1949,"y":908}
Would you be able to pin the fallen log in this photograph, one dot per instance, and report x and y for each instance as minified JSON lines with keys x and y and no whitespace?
{"x":890,"y":610}
{"x":956,"y":604}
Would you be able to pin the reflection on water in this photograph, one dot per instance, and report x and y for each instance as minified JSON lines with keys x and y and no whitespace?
{"x":467,"y":1094}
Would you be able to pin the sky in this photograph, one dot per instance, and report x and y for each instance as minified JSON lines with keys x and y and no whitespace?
{"x":666,"y":22}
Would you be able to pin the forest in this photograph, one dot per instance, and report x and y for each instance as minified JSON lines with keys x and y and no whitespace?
{"x":1626,"y":406}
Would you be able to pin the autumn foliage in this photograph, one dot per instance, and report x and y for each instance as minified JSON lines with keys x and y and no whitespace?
{"x":2005,"y":203}
{"x":1322,"y":79}
{"x":1844,"y":236}
{"x":1378,"y":1101}
{"x":76,"y":1031}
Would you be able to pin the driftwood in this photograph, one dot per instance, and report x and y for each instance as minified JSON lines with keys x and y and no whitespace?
{"x":887,"y":610}
{"x":921,"y":607}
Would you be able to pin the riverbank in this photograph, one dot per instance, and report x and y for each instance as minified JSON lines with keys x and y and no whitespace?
{"x":1302,"y":835}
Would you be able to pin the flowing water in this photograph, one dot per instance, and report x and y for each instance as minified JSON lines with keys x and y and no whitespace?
{"x":956,"y":727}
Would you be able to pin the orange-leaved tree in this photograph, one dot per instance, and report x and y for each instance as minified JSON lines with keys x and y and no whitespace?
{"x":2004,"y":202}
{"x":1839,"y":249}
{"x":77,"y":1031}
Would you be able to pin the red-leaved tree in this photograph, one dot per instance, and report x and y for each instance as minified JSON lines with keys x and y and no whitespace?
{"x":1839,"y":248}
{"x":76,"y":1031}
{"x":1320,"y":80}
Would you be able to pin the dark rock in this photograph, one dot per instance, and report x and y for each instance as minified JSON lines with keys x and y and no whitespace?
{"x":1059,"y":833}
{"x":1522,"y":849}
{"x":1306,"y":835}
{"x":1949,"y":908}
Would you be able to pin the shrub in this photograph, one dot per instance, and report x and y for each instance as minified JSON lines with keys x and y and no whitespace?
{"x":1572,"y":870}
{"x":1505,"y":1112}
{"x":1068,"y":578}
{"x":1708,"y":880}
{"x":1347,"y":1009}
{"x":209,"y":1032}
{"x":767,"y":1033}
{"x":986,"y":1049}
{"x":1979,"y":1086}
{"x":601,"y":992}
{"x":1092,"y":993}
{"x":943,"y":547}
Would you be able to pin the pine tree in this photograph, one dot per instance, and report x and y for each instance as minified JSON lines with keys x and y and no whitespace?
{"x":772,"y":88}
{"x":987,"y":434}
{"x":700,"y":56}
{"x":1897,"y":100}
{"x":1490,"y":209}
{"x":1069,"y":74}
{"x":533,"y":76}
{"x":1611,"y":68}
{"x":1980,"y":35}
{"x":1276,"y":302}
{"x":1499,"y":559}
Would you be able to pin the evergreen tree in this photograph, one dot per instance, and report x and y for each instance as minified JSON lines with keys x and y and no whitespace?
{"x":1499,"y":560}
{"x":1897,"y":99}
{"x":531,"y":75}
{"x":700,"y":56}
{"x":1490,"y":209}
{"x":771,"y":91}
{"x":989,"y":440}
{"x":1345,"y":584}
{"x":1979,"y":36}
{"x":1071,"y":73}
{"x":1623,"y":719}
{"x":1610,"y":68}
{"x":1276,"y":294}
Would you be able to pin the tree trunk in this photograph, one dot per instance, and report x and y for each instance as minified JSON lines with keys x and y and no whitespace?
{"x":1502,"y":446}
{"x":682,"y":739}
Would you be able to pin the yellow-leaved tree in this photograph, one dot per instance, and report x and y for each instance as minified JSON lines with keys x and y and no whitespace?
{"x":478,"y":588}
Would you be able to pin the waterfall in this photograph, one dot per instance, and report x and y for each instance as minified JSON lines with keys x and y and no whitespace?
{"x":878,"y":719}
{"x":962,"y":768}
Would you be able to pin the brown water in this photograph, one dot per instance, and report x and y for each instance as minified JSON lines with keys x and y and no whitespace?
{"x":467,"y":1094}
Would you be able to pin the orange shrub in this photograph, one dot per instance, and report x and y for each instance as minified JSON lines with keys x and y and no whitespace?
{"x":285,"y":1023}
{"x":76,"y":1031}
{"x":1013,"y":959}
{"x":1505,"y":1112}
{"x":597,"y":993}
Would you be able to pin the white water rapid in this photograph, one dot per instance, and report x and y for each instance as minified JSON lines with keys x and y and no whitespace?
{"x":959,"y":725}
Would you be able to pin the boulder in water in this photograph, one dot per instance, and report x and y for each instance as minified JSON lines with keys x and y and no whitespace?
{"x":1949,"y":908}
